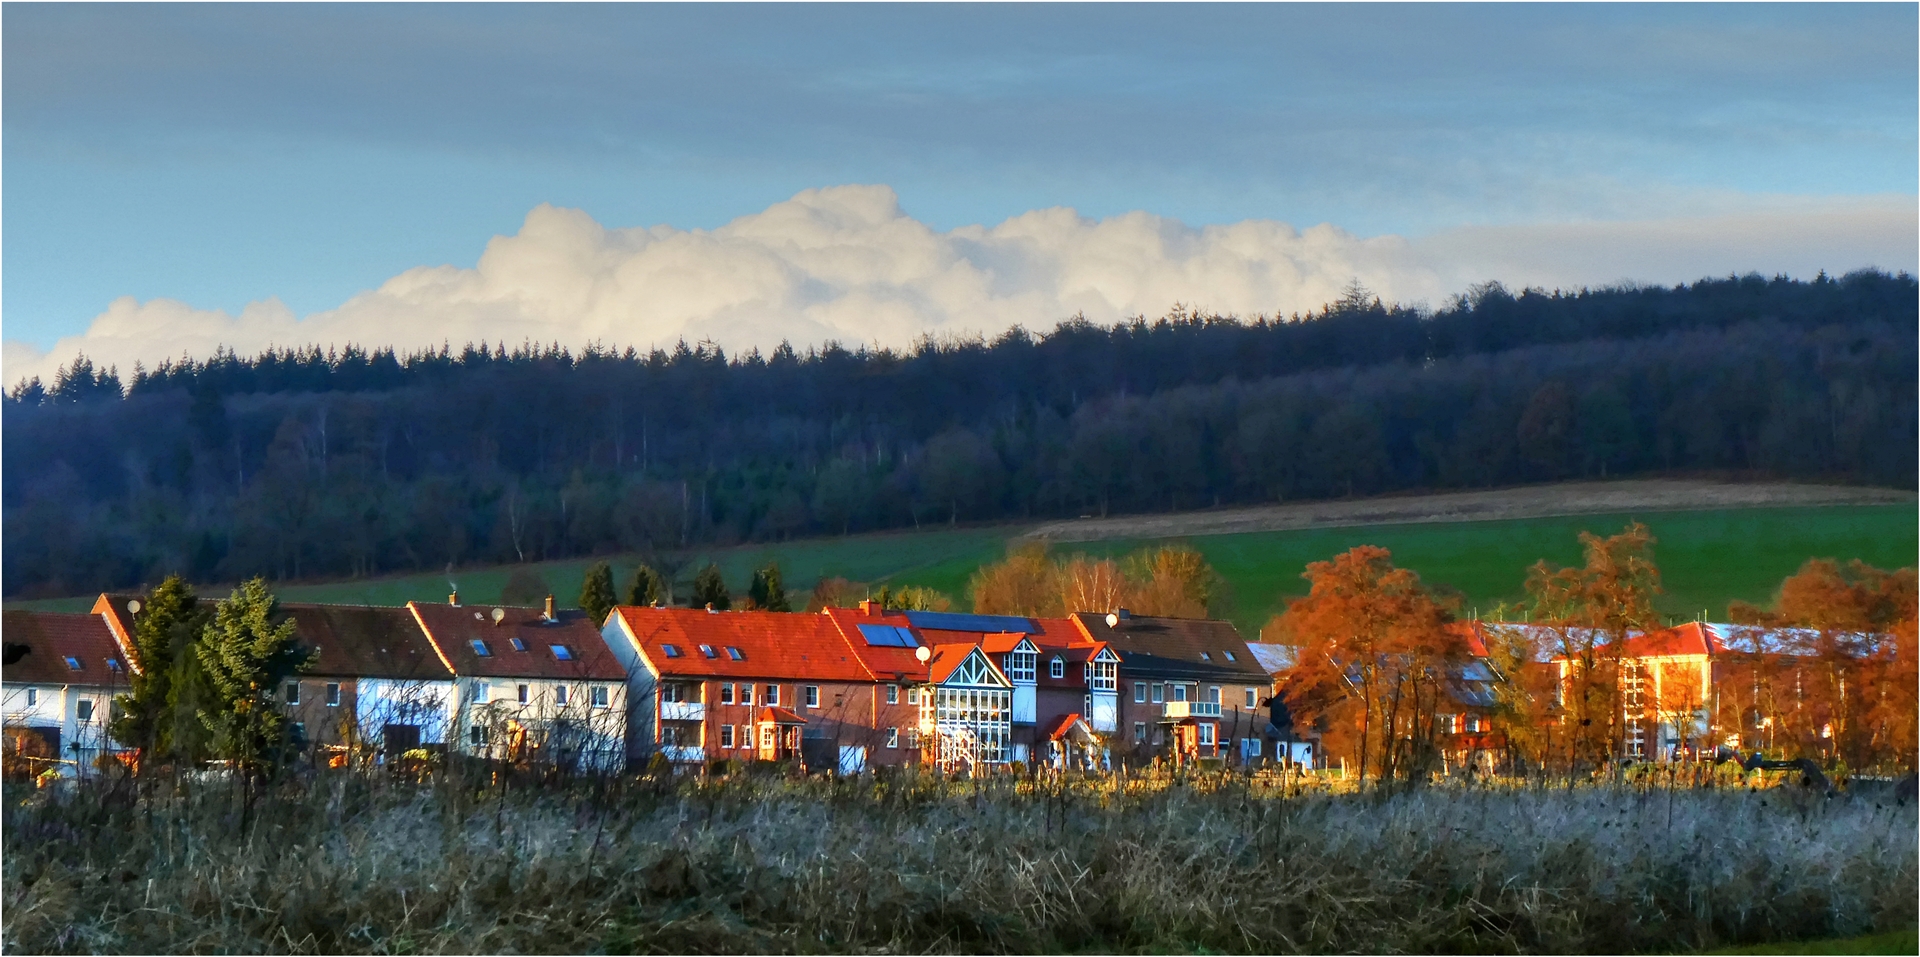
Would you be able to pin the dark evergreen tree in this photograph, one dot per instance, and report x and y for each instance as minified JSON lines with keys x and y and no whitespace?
{"x":767,"y":593}
{"x":596,"y":593}
{"x":162,"y":629}
{"x":247,"y":659}
{"x":709,"y":589}
{"x":645,"y":588}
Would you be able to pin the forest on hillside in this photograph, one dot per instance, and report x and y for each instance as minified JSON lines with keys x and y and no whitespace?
{"x":305,"y":463}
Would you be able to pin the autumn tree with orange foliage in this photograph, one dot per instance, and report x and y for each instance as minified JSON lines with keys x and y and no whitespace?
{"x":1172,"y":581}
{"x":1373,"y":656}
{"x":1589,"y":611}
{"x":1842,"y":680}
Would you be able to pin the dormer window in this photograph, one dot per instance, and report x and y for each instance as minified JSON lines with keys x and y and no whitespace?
{"x":561,"y":652}
{"x":1020,"y":665}
{"x":672,"y":651}
{"x":73,"y":664}
{"x":480,"y":648}
{"x":1056,"y":667}
{"x":517,"y":644}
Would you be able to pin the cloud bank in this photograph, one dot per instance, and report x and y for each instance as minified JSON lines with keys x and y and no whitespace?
{"x":846,"y":263}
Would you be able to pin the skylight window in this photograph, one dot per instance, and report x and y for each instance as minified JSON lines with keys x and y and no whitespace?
{"x":708,"y":651}
{"x":517,"y":644}
{"x":735,"y":653}
{"x":1205,"y":657}
{"x":480,"y":648}
{"x":73,"y":663}
{"x":1230,"y":656}
{"x":561,"y":652}
{"x":113,"y":665}
{"x":672,"y":651}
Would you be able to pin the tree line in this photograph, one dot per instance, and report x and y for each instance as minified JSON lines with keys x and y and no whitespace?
{"x":304,"y":463}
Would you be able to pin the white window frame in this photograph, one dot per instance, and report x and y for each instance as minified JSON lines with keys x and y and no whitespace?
{"x":1159,"y":693}
{"x":893,"y":737}
{"x":1056,"y":667}
{"x":813,"y":696}
{"x":598,"y":697}
{"x":481,"y":692}
{"x":893,"y":694}
{"x":333,"y":694}
{"x":1208,"y":734}
{"x":1021,"y":665}
{"x":1176,"y":692}
{"x":293,"y":693}
{"x":1213,"y":694}
{"x":726,"y":736}
{"x":1140,"y":732}
{"x":524,"y":693}
{"x":746,"y":694}
{"x":766,"y":738}
{"x":1139,"y":692}
{"x":1253,"y":698}
{"x":913,"y":694}
{"x":771,"y":696}
{"x":560,"y":695}
{"x":726,"y":692}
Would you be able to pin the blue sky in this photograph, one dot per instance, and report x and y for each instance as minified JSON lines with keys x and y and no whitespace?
{"x":224,"y":155}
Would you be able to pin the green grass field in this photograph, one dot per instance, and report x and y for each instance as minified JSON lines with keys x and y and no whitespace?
{"x":1707,"y":558}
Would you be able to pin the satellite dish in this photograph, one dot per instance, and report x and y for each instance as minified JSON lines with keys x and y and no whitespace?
{"x":133,"y":607}
{"x":1113,"y":619}
{"x":499,"y":615}
{"x":923,"y":653}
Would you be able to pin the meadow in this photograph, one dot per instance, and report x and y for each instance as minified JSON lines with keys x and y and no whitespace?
{"x":344,"y":863}
{"x":1708,"y":557}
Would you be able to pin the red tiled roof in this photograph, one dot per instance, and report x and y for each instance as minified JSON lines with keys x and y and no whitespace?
{"x":772,"y":644}
{"x":946,"y":658}
{"x":779,"y":715}
{"x":454,"y":628}
{"x":1689,"y":639}
{"x":51,"y":638}
{"x":1473,"y":634}
{"x":881,"y":662}
{"x":364,"y":641}
{"x":1058,"y":729}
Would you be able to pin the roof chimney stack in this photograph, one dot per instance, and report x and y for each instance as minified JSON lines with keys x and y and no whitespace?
{"x":550,"y":608}
{"x":866,"y":606}
{"x":454,"y":599}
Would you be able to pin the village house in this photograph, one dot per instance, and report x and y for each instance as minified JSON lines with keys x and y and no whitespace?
{"x":709,"y":685}
{"x":57,"y":682}
{"x":533,"y":684}
{"x":1193,"y":688}
{"x":374,"y":685}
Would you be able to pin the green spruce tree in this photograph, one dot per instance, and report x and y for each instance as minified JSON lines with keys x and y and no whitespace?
{"x":645,"y":588}
{"x":596,"y":593}
{"x":767,"y":593}
{"x":247,"y":658}
{"x":161,"y":631}
{"x":710,"y":589}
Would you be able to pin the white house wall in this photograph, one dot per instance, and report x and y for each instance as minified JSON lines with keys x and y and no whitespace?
{"x":58,"y":706}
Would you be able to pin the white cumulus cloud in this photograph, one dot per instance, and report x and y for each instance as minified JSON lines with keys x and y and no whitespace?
{"x":847,"y":263}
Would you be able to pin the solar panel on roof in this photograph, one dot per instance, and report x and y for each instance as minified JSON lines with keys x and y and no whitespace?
{"x":888,"y":636}
{"x":959,"y":621}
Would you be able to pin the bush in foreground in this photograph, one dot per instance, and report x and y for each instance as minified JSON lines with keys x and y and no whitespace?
{"x":344,"y":864}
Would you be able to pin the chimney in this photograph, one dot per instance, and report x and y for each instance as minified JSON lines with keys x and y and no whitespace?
{"x":710,"y":610}
{"x":550,"y":608}
{"x":866,"y":606}
{"x":1124,"y":614}
{"x":454,"y":599}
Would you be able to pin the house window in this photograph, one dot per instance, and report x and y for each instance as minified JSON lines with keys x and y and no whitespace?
{"x":726,"y":736}
{"x":293,"y":692}
{"x":1205,"y":657}
{"x":333,"y":695}
{"x":671,"y":651}
{"x":1230,"y":656}
{"x":746,"y":693}
{"x":113,"y":665}
{"x":561,"y":652}
{"x":1140,"y":732}
{"x":1103,"y":675}
{"x":893,"y":694}
{"x":1020,"y":665}
{"x":1139,"y":692}
{"x":1252,"y":698}
{"x":599,"y":693}
{"x":726,"y":692}
{"x":893,"y":737}
{"x":521,"y":691}
{"x":1088,"y":706}
{"x":477,"y":735}
{"x":86,"y":709}
{"x":1056,"y":668}
{"x":735,"y":653}
{"x":480,"y":648}
{"x":33,"y":697}
{"x":913,"y":695}
{"x":673,"y":692}
{"x":1206,"y":735}
{"x":1179,"y":692}
{"x":559,"y":694}
{"x":813,"y":696}
{"x":481,"y":692}
{"x":708,"y":652}
{"x":1159,"y":692}
{"x":766,"y":738}
{"x":772,"y":697}
{"x":1213,"y":694}
{"x":517,"y":644}
{"x":913,"y":739}
{"x":73,"y":664}
{"x":299,"y":732}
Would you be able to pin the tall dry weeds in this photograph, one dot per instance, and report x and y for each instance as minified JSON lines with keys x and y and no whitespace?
{"x":348,"y":864}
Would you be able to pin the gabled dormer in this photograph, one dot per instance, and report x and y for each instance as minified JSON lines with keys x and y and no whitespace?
{"x":1021,"y":662}
{"x":1103,"y":671}
{"x":974,"y":669}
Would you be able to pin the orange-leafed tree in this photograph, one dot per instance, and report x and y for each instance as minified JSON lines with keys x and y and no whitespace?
{"x":1589,"y":610}
{"x":1374,"y":654}
{"x":1025,"y":583}
{"x":1173,"y":581}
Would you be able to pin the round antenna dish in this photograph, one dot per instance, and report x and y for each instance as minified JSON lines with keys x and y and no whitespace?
{"x":923,"y":653}
{"x":499,"y":615}
{"x":1113,"y":619}
{"x":133,"y":607}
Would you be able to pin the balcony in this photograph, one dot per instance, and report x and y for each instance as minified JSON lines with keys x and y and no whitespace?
{"x":683,"y":711}
{"x":1176,"y":710}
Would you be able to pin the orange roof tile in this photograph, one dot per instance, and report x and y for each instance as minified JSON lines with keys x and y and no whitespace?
{"x":772,"y":715}
{"x":770,"y":644}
